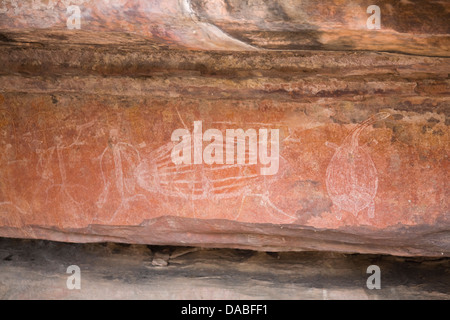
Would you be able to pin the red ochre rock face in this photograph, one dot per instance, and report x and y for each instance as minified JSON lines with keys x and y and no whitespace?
{"x":99,"y":142}
{"x":84,"y":170}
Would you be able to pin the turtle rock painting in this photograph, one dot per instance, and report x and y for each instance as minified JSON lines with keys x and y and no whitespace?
{"x":351,"y":176}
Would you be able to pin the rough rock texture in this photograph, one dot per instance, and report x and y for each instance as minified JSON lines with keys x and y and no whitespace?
{"x":38,"y":270}
{"x":409,"y":26}
{"x":86,"y":126}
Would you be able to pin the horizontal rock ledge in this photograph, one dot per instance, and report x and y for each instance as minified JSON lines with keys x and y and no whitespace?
{"x":219,"y":233}
{"x":359,"y":160}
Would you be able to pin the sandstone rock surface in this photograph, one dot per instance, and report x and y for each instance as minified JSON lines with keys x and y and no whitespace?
{"x":360,"y":160}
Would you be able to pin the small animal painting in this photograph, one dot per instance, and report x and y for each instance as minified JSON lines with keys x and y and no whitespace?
{"x":351,"y":176}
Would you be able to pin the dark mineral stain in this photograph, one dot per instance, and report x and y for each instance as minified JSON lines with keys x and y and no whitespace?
{"x":5,"y":38}
{"x":426,"y":128}
{"x":57,"y":37}
{"x":8,"y":258}
{"x":438,"y":132}
{"x":433,"y":120}
{"x":277,"y":10}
